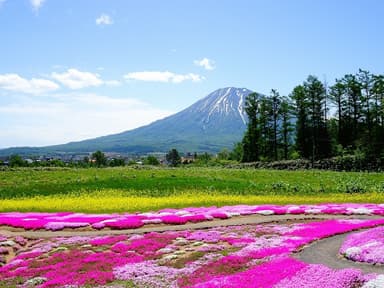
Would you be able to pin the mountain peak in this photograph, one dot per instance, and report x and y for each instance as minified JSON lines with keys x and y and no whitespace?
{"x":215,"y":122}
{"x":224,"y":102}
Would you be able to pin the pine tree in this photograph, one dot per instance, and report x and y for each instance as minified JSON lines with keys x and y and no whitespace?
{"x":320,"y":141}
{"x":302,"y":128}
{"x":252,"y":135}
{"x":286,"y":125}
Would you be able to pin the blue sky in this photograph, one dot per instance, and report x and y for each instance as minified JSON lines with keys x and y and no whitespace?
{"x":77,"y":69}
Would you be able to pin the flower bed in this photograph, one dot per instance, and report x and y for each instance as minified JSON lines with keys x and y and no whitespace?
{"x":366,"y":246}
{"x":233,"y":256}
{"x":59,"y":221}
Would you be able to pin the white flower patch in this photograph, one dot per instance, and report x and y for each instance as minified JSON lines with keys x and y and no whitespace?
{"x":230,"y":214}
{"x":377,"y":282}
{"x":8,"y":243}
{"x":352,"y":251}
{"x":186,"y":215}
{"x":108,"y":221}
{"x":313,"y":211}
{"x":182,"y":213}
{"x":170,"y":257}
{"x":152,"y":221}
{"x":165,"y":250}
{"x":359,"y":211}
{"x":265,"y":212}
{"x":35,"y":281}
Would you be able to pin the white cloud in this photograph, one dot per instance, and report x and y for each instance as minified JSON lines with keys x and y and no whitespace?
{"x":112,"y":83}
{"x":104,"y":19}
{"x":75,"y":79}
{"x":71,"y":117}
{"x":206,"y":63}
{"x":163,"y":76}
{"x":36,"y":4}
{"x":14,"y":82}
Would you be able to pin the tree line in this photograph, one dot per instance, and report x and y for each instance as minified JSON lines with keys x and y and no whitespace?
{"x":317,"y":122}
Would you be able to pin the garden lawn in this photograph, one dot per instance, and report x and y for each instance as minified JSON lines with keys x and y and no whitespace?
{"x":144,"y":188}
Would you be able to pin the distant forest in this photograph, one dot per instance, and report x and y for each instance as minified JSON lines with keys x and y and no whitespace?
{"x":317,"y":122}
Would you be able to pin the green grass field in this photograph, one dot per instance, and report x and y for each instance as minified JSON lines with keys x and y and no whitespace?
{"x":144,"y":188}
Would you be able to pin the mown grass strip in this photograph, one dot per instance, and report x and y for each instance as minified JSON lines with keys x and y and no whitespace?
{"x":161,"y":182}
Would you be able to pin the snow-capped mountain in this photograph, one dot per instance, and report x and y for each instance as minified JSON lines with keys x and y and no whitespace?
{"x":221,"y":104}
{"x":215,"y":122}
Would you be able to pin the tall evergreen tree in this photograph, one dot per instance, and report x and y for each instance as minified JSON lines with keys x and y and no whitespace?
{"x":366,"y":82}
{"x":378,"y":116}
{"x":302,"y":128}
{"x":286,"y":125}
{"x":265,"y":141}
{"x":275,"y":111}
{"x":316,"y":95}
{"x":352,"y":110}
{"x":358,"y":125}
{"x":337,"y":93}
{"x":252,"y":135}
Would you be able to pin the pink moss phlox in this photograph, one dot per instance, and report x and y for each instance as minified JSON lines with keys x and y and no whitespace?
{"x":317,"y":230}
{"x":107,"y":240}
{"x":366,"y":246}
{"x":206,"y":236}
{"x":55,"y":226}
{"x":197,"y":218}
{"x":270,"y":251}
{"x":120,"y":247}
{"x":219,"y":215}
{"x":148,"y":274}
{"x":317,"y":275}
{"x":27,"y":223}
{"x":125,"y":223}
{"x":237,"y":240}
{"x":20,"y":240}
{"x":226,"y":265}
{"x":29,"y":255}
{"x":34,"y":221}
{"x":265,"y":275}
{"x":174,"y":219}
{"x":150,"y":243}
